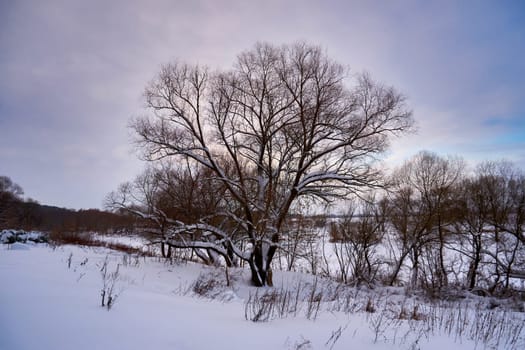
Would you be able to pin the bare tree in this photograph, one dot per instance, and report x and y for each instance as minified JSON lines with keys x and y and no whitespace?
{"x":472,"y":227}
{"x":359,"y":233}
{"x":501,"y":202}
{"x":279,"y":126}
{"x":410,"y":222}
{"x":159,"y":195}
{"x":425,"y":209}
{"x":7,"y":186}
{"x":10,"y":199}
{"x":298,"y":244}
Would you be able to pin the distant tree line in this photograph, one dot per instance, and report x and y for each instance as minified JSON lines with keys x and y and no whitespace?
{"x":17,"y":213}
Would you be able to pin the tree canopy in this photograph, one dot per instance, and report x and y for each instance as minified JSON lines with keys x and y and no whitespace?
{"x":285,"y":123}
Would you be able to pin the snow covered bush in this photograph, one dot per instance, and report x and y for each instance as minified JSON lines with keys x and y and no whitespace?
{"x":208,"y":285}
{"x":215,"y":285}
{"x":12,"y":236}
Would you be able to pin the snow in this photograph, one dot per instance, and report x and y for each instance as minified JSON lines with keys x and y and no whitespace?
{"x":133,"y":241}
{"x":44,"y":304}
{"x":18,"y":246}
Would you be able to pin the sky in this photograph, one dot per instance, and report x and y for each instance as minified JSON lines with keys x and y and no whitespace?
{"x":72,"y":75}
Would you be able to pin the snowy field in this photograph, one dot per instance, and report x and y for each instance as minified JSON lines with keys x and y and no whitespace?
{"x":50,"y":298}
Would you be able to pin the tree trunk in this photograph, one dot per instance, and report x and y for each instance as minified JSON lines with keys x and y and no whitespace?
{"x":163,"y":249}
{"x":398,"y":267}
{"x":473,"y":269}
{"x":415,"y":268}
{"x":260,"y":262}
{"x":165,"y":253}
{"x":443,"y":280}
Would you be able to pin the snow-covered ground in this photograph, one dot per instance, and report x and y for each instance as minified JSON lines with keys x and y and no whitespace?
{"x":50,"y":299}
{"x":133,"y":241}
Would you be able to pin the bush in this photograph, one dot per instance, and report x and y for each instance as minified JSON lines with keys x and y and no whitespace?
{"x":12,"y":236}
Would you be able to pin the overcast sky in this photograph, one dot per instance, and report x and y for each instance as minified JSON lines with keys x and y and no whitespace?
{"x":72,"y":74}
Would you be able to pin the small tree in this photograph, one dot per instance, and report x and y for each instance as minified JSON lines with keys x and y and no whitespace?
{"x":10,"y":202}
{"x":473,"y":227}
{"x":159,"y":195}
{"x":358,"y":235}
{"x":500,"y":202}
{"x":410,"y":222}
{"x":280,"y":126}
{"x":425,"y":210}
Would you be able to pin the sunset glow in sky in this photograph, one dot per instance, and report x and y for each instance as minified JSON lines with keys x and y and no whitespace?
{"x":72,"y":75}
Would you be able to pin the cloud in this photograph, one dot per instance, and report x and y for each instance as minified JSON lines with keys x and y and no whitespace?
{"x":73,"y":73}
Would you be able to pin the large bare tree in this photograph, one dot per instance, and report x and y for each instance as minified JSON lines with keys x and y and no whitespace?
{"x":283,"y":124}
